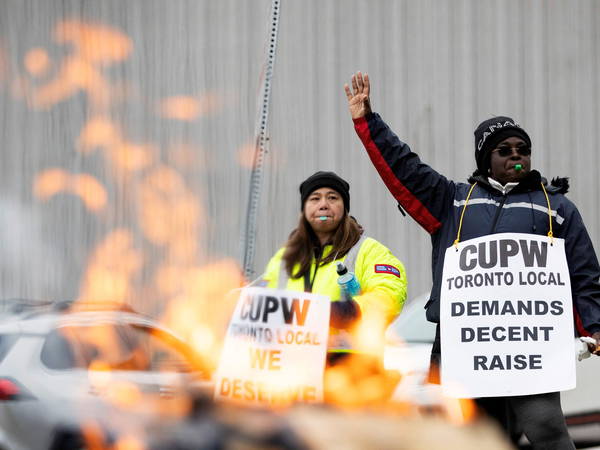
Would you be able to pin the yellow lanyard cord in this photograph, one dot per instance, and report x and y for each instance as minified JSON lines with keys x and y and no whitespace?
{"x":462,"y":214}
{"x":550,"y":234}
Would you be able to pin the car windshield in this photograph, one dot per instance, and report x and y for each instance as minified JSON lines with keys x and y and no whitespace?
{"x":117,"y":347}
{"x":412,"y":325}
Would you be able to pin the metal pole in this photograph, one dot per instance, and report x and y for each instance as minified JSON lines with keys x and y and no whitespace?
{"x":261,"y":143}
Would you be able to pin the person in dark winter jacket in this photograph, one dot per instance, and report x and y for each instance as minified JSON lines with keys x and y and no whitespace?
{"x":504,"y":195}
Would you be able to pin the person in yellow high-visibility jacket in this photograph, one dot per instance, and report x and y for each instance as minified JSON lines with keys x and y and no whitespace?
{"x":326,"y":234}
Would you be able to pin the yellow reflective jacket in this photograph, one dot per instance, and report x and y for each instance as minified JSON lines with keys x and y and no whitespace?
{"x":381,"y":276}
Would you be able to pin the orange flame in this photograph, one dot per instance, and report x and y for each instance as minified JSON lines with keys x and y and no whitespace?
{"x":460,"y":411}
{"x":101,"y":132}
{"x":96,"y":43}
{"x":187,"y":155}
{"x":180,"y":108}
{"x":55,"y":181}
{"x":245,"y":155}
{"x":200,"y":314}
{"x":37,"y":61}
{"x":170,"y":215}
{"x":111,"y":268}
{"x":93,"y":436}
{"x":358,"y":382}
{"x":129,"y":443}
{"x":98,"y":132}
{"x":125,"y":394}
{"x":130,"y":156}
{"x":95,"y":46}
{"x":189,"y":108}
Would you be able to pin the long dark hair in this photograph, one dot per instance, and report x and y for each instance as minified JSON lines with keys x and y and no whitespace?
{"x":303,"y":244}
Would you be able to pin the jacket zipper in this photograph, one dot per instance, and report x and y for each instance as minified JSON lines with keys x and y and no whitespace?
{"x":497,"y":216}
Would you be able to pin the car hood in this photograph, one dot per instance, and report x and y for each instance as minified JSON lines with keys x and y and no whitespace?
{"x":407,"y":358}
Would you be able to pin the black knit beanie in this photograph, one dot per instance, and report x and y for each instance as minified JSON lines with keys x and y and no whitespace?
{"x":490,"y":133}
{"x":325,"y":179}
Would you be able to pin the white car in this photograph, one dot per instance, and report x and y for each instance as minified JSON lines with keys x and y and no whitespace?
{"x":410,"y":338}
{"x":66,"y":374}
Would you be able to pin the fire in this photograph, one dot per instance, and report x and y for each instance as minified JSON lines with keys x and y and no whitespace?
{"x":102,"y":133}
{"x":189,"y":108}
{"x":94,"y":436}
{"x":95,"y":43}
{"x":193,"y":298}
{"x":200,"y":314}
{"x":187,"y":155}
{"x":99,"y":131}
{"x":180,"y":108}
{"x":124,"y":394}
{"x":203,"y":339}
{"x":170,"y":214}
{"x":245,"y":155}
{"x":111,"y":268}
{"x":129,"y":443}
{"x":37,"y":61}
{"x":94,"y":47}
{"x":52,"y":182}
{"x":130,"y":156}
{"x":359,"y":381}
{"x":99,"y":374}
{"x":460,"y":411}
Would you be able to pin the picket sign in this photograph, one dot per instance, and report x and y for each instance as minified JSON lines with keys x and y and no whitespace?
{"x":275,"y":348}
{"x":506,"y":317}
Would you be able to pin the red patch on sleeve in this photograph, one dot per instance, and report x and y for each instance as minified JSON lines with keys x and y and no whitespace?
{"x":386,"y":268}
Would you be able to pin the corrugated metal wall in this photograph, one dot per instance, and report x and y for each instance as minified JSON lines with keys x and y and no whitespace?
{"x":438,"y":68}
{"x":127,"y":128}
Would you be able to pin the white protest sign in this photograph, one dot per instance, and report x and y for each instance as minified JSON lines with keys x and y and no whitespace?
{"x":506,"y":317}
{"x":275,"y":348}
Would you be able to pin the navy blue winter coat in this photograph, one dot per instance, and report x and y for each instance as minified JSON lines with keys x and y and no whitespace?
{"x":436,"y":204}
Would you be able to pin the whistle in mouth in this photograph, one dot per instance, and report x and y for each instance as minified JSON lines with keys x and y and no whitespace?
{"x":518,"y":167}
{"x":322,"y":218}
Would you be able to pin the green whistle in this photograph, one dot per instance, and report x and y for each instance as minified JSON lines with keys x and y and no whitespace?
{"x":518,"y":167}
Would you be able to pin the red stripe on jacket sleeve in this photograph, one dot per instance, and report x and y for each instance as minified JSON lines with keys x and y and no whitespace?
{"x":409,"y":202}
{"x":579,"y":325}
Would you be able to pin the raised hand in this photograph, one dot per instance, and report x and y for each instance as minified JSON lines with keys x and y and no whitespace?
{"x":358,"y":98}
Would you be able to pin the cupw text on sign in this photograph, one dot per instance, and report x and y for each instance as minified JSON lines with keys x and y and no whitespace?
{"x":259,"y":308}
{"x":487,"y":255}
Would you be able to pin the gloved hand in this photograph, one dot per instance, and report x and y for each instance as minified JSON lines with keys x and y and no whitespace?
{"x":583,"y":351}
{"x":344,"y":313}
{"x":595,"y":349}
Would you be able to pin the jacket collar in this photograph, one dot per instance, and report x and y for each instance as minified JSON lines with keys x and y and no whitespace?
{"x":532,"y":182}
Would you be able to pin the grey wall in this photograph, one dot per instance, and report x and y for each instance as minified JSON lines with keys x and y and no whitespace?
{"x":176,"y":186}
{"x":438,"y":68}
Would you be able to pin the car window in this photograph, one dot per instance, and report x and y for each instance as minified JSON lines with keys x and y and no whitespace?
{"x":57,"y":352}
{"x":167,"y":353}
{"x":116,"y":347}
{"x":6,"y":343}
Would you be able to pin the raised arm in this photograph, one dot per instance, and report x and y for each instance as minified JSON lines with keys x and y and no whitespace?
{"x":424,"y":193}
